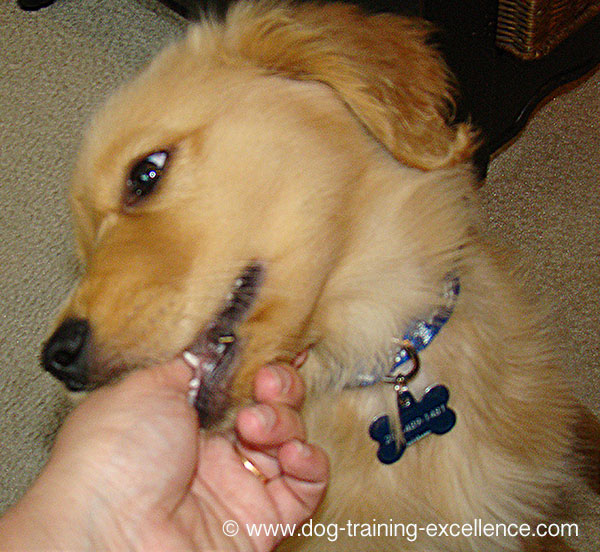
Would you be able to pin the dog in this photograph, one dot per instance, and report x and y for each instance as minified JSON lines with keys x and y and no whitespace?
{"x":289,"y":182}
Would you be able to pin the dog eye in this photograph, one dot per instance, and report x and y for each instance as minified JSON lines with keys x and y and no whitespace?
{"x":144,"y":176}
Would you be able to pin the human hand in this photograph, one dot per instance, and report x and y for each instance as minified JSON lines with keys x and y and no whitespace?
{"x":131,"y":470}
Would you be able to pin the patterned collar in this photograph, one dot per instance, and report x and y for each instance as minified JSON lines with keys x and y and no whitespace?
{"x":419,"y":334}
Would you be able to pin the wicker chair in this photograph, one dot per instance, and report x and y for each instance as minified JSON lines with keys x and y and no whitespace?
{"x":531,"y":28}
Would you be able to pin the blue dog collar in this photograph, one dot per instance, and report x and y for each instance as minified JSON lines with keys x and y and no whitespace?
{"x":430,"y":414}
{"x":422,"y":332}
{"x":419,"y":335}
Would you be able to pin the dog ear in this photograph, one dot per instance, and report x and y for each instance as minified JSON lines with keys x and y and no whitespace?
{"x":381,"y":66}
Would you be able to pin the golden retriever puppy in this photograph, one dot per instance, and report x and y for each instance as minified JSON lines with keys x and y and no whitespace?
{"x":288,"y":182}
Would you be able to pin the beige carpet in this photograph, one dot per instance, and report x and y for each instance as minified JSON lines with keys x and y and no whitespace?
{"x":542,"y":196}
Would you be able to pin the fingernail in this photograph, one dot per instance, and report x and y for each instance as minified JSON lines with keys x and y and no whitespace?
{"x":265,"y":414}
{"x":300,"y":359}
{"x":301,"y":447}
{"x":282,"y":380}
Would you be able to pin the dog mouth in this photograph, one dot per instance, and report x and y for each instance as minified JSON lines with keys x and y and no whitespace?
{"x":212,"y":353}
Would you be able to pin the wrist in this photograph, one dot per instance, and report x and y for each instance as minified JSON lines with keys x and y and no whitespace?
{"x":48,"y":517}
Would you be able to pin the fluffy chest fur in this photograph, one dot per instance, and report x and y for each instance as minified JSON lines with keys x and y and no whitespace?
{"x":316,"y":142}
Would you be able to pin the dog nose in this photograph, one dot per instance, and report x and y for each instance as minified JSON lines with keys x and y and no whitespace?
{"x":64,"y":355}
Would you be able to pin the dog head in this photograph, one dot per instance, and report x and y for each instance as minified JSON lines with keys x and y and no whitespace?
{"x":272,"y":150}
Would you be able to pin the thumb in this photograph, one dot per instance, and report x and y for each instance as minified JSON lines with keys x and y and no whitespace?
{"x":173,"y":375}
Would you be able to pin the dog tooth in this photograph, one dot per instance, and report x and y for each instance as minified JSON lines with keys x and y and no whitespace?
{"x":209,"y":366}
{"x":192,"y":396}
{"x":239,"y":282}
{"x":191,"y":359}
{"x":220,"y":348}
{"x":194,"y":383}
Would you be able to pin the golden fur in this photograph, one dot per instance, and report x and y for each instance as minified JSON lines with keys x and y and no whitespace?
{"x":318,"y":140}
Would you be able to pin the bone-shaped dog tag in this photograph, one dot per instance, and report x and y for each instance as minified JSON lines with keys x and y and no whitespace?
{"x":390,"y":449}
{"x":418,"y":419}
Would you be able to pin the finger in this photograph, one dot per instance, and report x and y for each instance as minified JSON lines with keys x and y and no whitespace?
{"x":175,"y":375}
{"x":268,"y":426}
{"x":305,"y":474}
{"x":300,"y":359}
{"x":279,"y":383}
{"x":303,"y":462}
{"x":266,"y":464}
